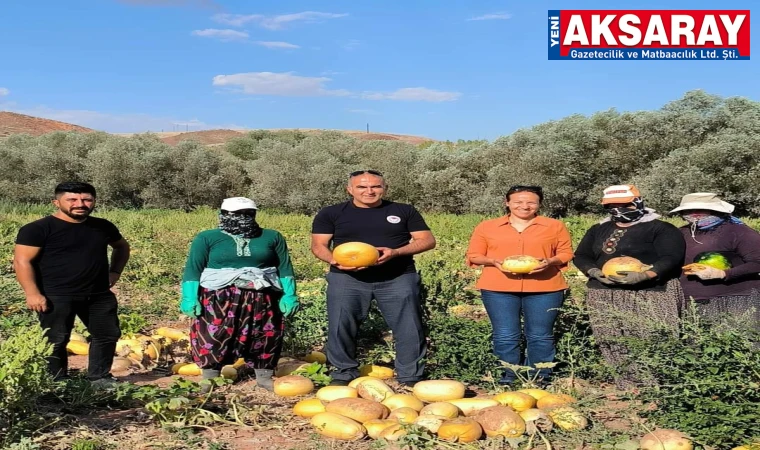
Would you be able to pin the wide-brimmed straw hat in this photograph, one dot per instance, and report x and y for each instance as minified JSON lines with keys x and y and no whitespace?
{"x":704,"y":200}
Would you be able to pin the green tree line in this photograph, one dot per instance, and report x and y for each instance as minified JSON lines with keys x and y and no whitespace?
{"x":698,"y":143}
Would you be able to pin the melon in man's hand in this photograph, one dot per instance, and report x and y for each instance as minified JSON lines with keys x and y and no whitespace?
{"x":520,"y":264}
{"x":355,"y":254}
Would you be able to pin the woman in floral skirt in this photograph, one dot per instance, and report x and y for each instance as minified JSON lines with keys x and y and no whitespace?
{"x":239,"y":287}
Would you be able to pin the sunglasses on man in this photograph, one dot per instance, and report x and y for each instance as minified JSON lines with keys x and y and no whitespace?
{"x":361,"y":172}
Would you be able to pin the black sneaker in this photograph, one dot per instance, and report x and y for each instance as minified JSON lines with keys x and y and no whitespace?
{"x":339,"y":383}
{"x":409,"y":384}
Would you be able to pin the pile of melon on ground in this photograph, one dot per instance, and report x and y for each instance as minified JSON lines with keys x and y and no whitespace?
{"x":142,"y":352}
{"x":368,"y":407}
{"x":139,"y":351}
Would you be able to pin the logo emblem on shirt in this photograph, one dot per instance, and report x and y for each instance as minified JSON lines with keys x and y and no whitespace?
{"x":393,"y":219}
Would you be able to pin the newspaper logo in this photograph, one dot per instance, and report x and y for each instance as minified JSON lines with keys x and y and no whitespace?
{"x":649,"y":34}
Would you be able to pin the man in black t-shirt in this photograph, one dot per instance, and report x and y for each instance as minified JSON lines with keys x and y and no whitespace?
{"x":61,"y":263}
{"x":393,"y":281}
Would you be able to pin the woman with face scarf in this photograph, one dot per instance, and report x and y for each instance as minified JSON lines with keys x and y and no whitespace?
{"x":631,"y":304}
{"x":729,"y":293}
{"x":239,"y":287}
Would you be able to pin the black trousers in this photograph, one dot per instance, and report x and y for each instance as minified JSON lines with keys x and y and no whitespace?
{"x":99,"y":313}
{"x":348,"y":303}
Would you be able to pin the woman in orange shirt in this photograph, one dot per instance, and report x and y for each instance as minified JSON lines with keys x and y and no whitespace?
{"x":537,"y":295}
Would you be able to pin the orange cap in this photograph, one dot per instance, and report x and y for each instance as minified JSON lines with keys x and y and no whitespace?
{"x":622,"y":193}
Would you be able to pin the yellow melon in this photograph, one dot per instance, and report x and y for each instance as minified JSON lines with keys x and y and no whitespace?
{"x":568,"y":418}
{"x":330,"y":393}
{"x":172,"y":333}
{"x":430,"y":422}
{"x":520,"y":263}
{"x":371,"y":370}
{"x":442,"y":409}
{"x":355,"y":254}
{"x":376,"y":426}
{"x":404,"y":415}
{"x":535,"y":393}
{"x":393,"y":432}
{"x":397,"y":401}
{"x":664,"y":439}
{"x":430,"y":391}
{"x":623,"y":264}
{"x":471,"y":406}
{"x":309,"y":407}
{"x":78,"y":347}
{"x":187,"y":369}
{"x":519,"y":401}
{"x":338,"y":427}
{"x":500,"y":421}
{"x":374,"y":389}
{"x":315,"y":357}
{"x":553,"y":400}
{"x":461,"y":429}
{"x":293,"y":386}
{"x":358,"y":409}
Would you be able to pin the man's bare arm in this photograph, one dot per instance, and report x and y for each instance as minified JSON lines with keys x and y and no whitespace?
{"x":320,"y":247}
{"x":23,"y":255}
{"x":422,"y":241}
{"x":120,"y":255}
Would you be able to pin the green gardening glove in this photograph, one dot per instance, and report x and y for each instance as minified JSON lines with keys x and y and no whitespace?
{"x":289,"y":301}
{"x":189,"y":305}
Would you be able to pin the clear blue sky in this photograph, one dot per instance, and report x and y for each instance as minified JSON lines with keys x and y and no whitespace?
{"x":422,"y":67}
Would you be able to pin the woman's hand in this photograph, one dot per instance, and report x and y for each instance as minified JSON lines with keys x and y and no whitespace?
{"x":544,"y":263}
{"x":498,"y":264}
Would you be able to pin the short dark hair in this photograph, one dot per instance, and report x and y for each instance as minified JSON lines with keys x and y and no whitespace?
{"x":74,"y":187}
{"x":538,"y":190}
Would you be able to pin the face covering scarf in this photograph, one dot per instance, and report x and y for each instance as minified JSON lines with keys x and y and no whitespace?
{"x":704,"y":223}
{"x":241,"y":227}
{"x":625,"y":215}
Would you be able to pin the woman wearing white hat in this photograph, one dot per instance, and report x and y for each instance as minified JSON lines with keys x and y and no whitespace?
{"x":238,"y":286}
{"x":722,"y":272}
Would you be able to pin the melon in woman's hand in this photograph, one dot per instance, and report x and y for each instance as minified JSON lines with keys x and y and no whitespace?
{"x":355,"y":254}
{"x":623,"y":264}
{"x":520,"y":264}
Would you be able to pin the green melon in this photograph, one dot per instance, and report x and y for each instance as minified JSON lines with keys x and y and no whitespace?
{"x":713,"y":259}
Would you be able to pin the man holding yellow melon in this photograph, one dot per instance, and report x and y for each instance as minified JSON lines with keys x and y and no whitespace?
{"x":369,"y":243}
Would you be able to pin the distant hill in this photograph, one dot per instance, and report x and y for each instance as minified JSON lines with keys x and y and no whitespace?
{"x":216,"y":137}
{"x":14,"y":123}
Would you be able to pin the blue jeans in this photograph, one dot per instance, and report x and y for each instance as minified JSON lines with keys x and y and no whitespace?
{"x":540,"y":310}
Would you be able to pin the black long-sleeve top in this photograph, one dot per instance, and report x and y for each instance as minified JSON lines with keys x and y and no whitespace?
{"x":655,"y":243}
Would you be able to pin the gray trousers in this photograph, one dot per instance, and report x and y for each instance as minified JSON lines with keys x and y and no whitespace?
{"x":348,"y":303}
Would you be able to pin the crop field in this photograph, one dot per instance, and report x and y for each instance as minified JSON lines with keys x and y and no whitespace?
{"x":709,"y":390}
